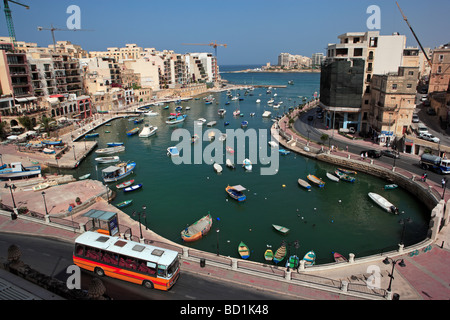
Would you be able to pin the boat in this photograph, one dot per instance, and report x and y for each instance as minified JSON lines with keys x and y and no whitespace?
{"x":268,"y":255}
{"x":229,"y":149}
{"x":115,"y":173}
{"x":197,"y":230}
{"x":310,"y":258}
{"x":114,"y":144}
{"x":291,"y":82}
{"x":124,"y":184}
{"x":229,"y":164}
{"x":176,"y":119}
{"x":110,"y":150}
{"x":211,"y":136}
{"x":91,"y":135}
{"x":266,"y":114}
{"x":236,"y":113}
{"x":273,"y":144}
{"x":304,"y":184}
{"x":173,"y":152}
{"x":280,"y":228}
{"x":40,"y":186}
{"x":284,"y":152}
{"x":316,"y":180}
{"x":16,"y":170}
{"x":280,"y":254}
{"x":247,"y":164}
{"x":344,"y":176}
{"x":244,"y":124}
{"x":137,"y":121}
{"x":195,"y":138}
{"x":132,"y":131}
{"x":124,"y":203}
{"x":332,"y":177}
{"x":347,"y":171}
{"x":211,"y":124}
{"x":152,"y":113}
{"x":258,"y":100}
{"x":236,"y":192}
{"x":148,"y":131}
{"x":52,"y":141}
{"x":226,"y":123}
{"x":271,"y":101}
{"x":293,"y":262}
{"x":339,"y":257}
{"x":48,"y":151}
{"x":133,"y":188}
{"x":217,"y":167}
{"x":111,"y":159}
{"x":221,"y":112}
{"x":383,"y":203}
{"x":390,"y":186}
{"x":223,"y":137}
{"x":243,"y":250}
{"x":84,"y":177}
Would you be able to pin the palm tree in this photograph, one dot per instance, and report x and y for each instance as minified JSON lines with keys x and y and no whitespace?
{"x":45,"y":123}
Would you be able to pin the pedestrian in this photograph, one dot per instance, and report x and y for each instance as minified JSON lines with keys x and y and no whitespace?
{"x":362,"y":156}
{"x":346,"y":148}
{"x":443,"y":183}
{"x":425,"y":177}
{"x":367,"y":155}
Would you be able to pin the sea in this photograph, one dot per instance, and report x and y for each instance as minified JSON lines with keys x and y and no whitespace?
{"x":337,"y":218}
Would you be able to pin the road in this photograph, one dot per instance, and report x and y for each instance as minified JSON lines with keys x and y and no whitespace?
{"x":53,"y":257}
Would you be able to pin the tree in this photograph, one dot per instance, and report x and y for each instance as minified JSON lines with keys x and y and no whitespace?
{"x":26,"y":122}
{"x":45,"y":123}
{"x":324,"y":137}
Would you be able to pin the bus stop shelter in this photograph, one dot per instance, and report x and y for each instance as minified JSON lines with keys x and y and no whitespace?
{"x":104,"y":222}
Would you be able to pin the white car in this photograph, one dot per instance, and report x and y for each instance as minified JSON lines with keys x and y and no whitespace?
{"x":415,"y":118}
{"x":429,"y":137}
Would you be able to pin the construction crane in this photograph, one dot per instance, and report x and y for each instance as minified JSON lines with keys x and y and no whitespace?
{"x":53,"y":29}
{"x":414,"y":34}
{"x":9,"y":20}
{"x":211,"y":44}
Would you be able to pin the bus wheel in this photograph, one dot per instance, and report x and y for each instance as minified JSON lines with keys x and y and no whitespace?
{"x":99,"y":271}
{"x":148,"y":284}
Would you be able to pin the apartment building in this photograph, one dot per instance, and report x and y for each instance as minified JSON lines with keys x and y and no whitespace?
{"x":317,"y":59}
{"x":440,"y":70}
{"x":291,"y":61}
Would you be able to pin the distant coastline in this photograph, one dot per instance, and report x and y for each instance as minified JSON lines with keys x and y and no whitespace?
{"x":273,"y":71}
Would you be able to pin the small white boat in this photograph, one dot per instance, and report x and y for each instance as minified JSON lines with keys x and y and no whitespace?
{"x":111,"y":159}
{"x":48,"y":151}
{"x":217,"y":167}
{"x":304,"y":184}
{"x":110,"y":150}
{"x":383,"y":203}
{"x":247,"y":164}
{"x":211,"y":136}
{"x":273,"y":144}
{"x":222,"y":112}
{"x":223,"y":137}
{"x":332,"y":177}
{"x":258,"y":101}
{"x":151,"y":113}
{"x":173,"y":151}
{"x":84,"y":177}
{"x":40,"y":187}
{"x":229,"y":164}
{"x":211,"y":124}
{"x":148,"y":131}
{"x":271,"y":101}
{"x":266,"y":114}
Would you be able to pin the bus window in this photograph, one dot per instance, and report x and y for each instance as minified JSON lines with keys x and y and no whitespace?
{"x":79,"y":250}
{"x":161,"y":271}
{"x":173,"y":268}
{"x":109,"y":258}
{"x":144,"y":268}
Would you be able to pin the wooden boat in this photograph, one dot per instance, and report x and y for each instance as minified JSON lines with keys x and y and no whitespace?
{"x":268,"y":255}
{"x":124,"y":203}
{"x":280,"y":228}
{"x":332,"y":177}
{"x":383,"y":203}
{"x":197,"y":230}
{"x":284,"y":152}
{"x":84,"y":177}
{"x":176,"y":119}
{"x":293,"y":262}
{"x":280,"y":254}
{"x":91,"y":135}
{"x":137,"y":121}
{"x":344,"y":176}
{"x":115,"y":173}
{"x":316,"y":180}
{"x":114,"y":144}
{"x":52,"y":141}
{"x":110,"y":150}
{"x":247,"y":164}
{"x":304,"y":184}
{"x":125,"y":184}
{"x":217,"y":167}
{"x":339,"y":257}
{"x":132,"y":131}
{"x":236,"y":192}
{"x":18,"y":171}
{"x":347,"y":171}
{"x":133,"y":188}
{"x":390,"y":186}
{"x":310,"y":258}
{"x":111,"y":159}
{"x":243,"y":250}
{"x":48,"y":151}
{"x":244,"y":124}
{"x":41,"y":186}
{"x":211,"y":124}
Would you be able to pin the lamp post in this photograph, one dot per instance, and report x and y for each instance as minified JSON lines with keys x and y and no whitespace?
{"x":74,"y":154}
{"x":394,"y":262}
{"x":404,"y":222}
{"x":14,"y":213}
{"x":139,"y":218}
{"x":57,"y":164}
{"x":45,"y":203}
{"x":217,"y":240}
{"x":445,"y":185}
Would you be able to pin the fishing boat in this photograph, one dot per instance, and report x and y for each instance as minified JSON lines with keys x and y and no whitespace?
{"x":347,"y":171}
{"x":176,"y":119}
{"x":114,"y":144}
{"x":197,"y":230}
{"x":304,"y":184}
{"x":339,"y":257}
{"x":316,"y":180}
{"x":110,"y":150}
{"x":124,"y":184}
{"x":390,"y":186}
{"x":243,"y":250}
{"x":211,"y":123}
{"x":293,"y":262}
{"x":247,"y":164}
{"x":48,"y":151}
{"x":383,"y":203}
{"x":236,"y":113}
{"x":221,"y":112}
{"x":284,"y":152}
{"x":115,"y":173}
{"x":40,"y":187}
{"x":217,"y":167}
{"x":332,"y":177}
{"x":273,"y":144}
{"x":17,"y":170}
{"x":226,"y":123}
{"x":124,"y":203}
{"x":268,"y":255}
{"x":111,"y":159}
{"x":139,"y":120}
{"x":173,"y":152}
{"x":310,"y":258}
{"x":344,"y":176}
{"x":52,"y":141}
{"x":266,"y":114}
{"x":229,"y":164}
{"x":133,"y":187}
{"x":148,"y":131}
{"x":91,"y":135}
{"x":280,"y":254}
{"x":280,"y":228}
{"x":211,"y":136}
{"x":236,"y":192}
{"x":132,"y":131}
{"x":84,"y":177}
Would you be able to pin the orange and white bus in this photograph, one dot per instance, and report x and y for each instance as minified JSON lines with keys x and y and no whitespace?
{"x":127,"y":260}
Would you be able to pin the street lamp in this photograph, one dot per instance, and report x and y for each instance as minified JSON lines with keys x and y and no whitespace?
{"x":445,"y":185}
{"x":404,"y":222}
{"x":14,"y":213}
{"x":139,"y":218}
{"x":45,"y":203}
{"x":217,"y":240}
{"x":394,"y":262}
{"x":57,"y":164}
{"x":74,"y":154}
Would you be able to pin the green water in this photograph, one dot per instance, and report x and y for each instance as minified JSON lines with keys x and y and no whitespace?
{"x":340,"y":217}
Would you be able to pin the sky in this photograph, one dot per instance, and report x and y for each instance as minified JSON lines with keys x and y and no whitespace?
{"x":255,"y":31}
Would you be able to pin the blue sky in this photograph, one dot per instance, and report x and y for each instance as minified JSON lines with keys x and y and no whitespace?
{"x":255,"y":31}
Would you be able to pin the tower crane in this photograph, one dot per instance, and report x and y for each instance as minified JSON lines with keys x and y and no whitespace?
{"x":53,"y":29}
{"x":9,"y":20}
{"x":211,"y":44}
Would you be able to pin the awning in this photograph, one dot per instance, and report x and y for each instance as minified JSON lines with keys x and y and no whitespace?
{"x":57,"y":96}
{"x":27,"y":99}
{"x":239,"y":188}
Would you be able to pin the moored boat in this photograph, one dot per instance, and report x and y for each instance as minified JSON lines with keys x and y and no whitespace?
{"x":284,"y":152}
{"x":344,"y":176}
{"x":173,"y":152}
{"x":280,"y":254}
{"x":111,"y":159}
{"x":280,"y":228}
{"x":148,"y":131}
{"x":197,"y":230}
{"x":132,"y":131}
{"x":390,"y":186}
{"x":268,"y":255}
{"x":332,"y":177}
{"x":236,"y":192}
{"x":52,"y":141}
{"x":84,"y":177}
{"x":316,"y":180}
{"x":339,"y":257}
{"x":304,"y":184}
{"x":17,"y":170}
{"x":92,"y":135}
{"x":310,"y":258}
{"x":229,"y":164}
{"x":217,"y":167}
{"x":125,"y":184}
{"x":243,"y":250}
{"x":347,"y":171}
{"x":115,"y":173}
{"x":176,"y":119}
{"x":247,"y":164}
{"x":293,"y":262}
{"x":40,"y":187}
{"x":383,"y":203}
{"x":110,"y":150}
{"x":229,"y":149}
{"x":133,"y":187}
{"x":124,"y":203}
{"x":114,"y":144}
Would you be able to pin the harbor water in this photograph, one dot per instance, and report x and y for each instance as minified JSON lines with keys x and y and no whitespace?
{"x":337,"y":218}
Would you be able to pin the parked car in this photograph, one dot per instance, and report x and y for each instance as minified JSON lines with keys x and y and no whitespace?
{"x":422,"y":129}
{"x":390,"y":154}
{"x":415,"y":118}
{"x":429,"y":137}
{"x":431,"y":112}
{"x":372,"y":153}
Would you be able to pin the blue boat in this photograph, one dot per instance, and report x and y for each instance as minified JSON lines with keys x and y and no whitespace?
{"x":92,"y":135}
{"x":136,"y":121}
{"x":226,"y":123}
{"x":173,"y":119}
{"x":236,"y":193}
{"x":116,"y":173}
{"x":244,"y":124}
{"x":133,"y":187}
{"x":132,"y":131}
{"x":310,"y":258}
{"x":114,"y":144}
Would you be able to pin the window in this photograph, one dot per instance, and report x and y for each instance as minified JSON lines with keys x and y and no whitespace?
{"x":394,"y":86}
{"x":373,"y":42}
{"x":439,"y":70}
{"x":409,"y":86}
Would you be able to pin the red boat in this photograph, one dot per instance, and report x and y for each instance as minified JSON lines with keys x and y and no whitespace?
{"x":339,"y":257}
{"x":125,"y":184}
